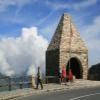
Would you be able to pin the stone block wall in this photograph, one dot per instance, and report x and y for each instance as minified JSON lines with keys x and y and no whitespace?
{"x":52,"y":62}
{"x":65,"y":45}
{"x":82,"y":57}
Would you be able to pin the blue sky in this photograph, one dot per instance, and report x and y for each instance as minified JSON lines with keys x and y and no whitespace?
{"x":45,"y":15}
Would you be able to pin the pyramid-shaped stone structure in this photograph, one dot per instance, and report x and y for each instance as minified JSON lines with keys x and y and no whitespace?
{"x":66,"y":46}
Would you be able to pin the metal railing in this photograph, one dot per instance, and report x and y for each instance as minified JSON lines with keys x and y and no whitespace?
{"x":11,"y":83}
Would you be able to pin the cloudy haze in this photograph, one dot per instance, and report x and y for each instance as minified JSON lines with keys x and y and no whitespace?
{"x":23,"y":54}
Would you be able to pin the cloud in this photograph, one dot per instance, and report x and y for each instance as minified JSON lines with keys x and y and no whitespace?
{"x":57,"y":5}
{"x":49,"y":30}
{"x":4,"y":4}
{"x":23,"y":54}
{"x":84,"y":4}
{"x":46,"y":17}
{"x":93,"y":29}
{"x":75,"y":6}
{"x":91,"y":34}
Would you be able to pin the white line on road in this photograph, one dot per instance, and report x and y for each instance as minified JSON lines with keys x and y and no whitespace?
{"x":84,"y":96}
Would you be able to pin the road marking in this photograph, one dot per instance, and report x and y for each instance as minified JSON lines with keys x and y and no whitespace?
{"x":84,"y":96}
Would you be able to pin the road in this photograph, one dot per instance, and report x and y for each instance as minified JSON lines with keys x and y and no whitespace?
{"x":80,"y":94}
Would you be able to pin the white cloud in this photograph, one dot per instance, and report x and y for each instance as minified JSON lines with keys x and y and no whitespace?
{"x":57,"y":5}
{"x":23,"y":54}
{"x":41,"y":21}
{"x":76,"y":6}
{"x":94,"y":29}
{"x":84,"y":4}
{"x":49,"y":29}
{"x":4,"y":4}
{"x":91,"y":33}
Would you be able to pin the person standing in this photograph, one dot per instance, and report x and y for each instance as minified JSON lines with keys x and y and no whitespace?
{"x":67,"y":76}
{"x":39,"y":79}
{"x":70,"y":76}
{"x":60,"y":76}
{"x":64,"y":74}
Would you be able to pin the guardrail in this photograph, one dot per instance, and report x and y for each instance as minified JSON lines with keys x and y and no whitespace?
{"x":10,"y":83}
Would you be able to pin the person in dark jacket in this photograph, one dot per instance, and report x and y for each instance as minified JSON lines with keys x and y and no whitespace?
{"x":39,"y":79}
{"x":60,"y":76}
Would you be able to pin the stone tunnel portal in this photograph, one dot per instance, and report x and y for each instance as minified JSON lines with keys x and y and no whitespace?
{"x":76,"y":67}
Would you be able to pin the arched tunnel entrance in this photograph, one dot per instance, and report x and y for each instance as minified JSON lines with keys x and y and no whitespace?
{"x":75,"y":65}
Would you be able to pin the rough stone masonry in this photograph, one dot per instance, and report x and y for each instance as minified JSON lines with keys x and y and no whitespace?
{"x":67,"y":49}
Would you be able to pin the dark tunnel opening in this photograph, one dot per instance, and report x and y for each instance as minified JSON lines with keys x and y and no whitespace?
{"x":75,"y":65}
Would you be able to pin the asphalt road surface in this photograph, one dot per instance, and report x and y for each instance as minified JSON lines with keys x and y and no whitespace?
{"x":80,"y":94}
